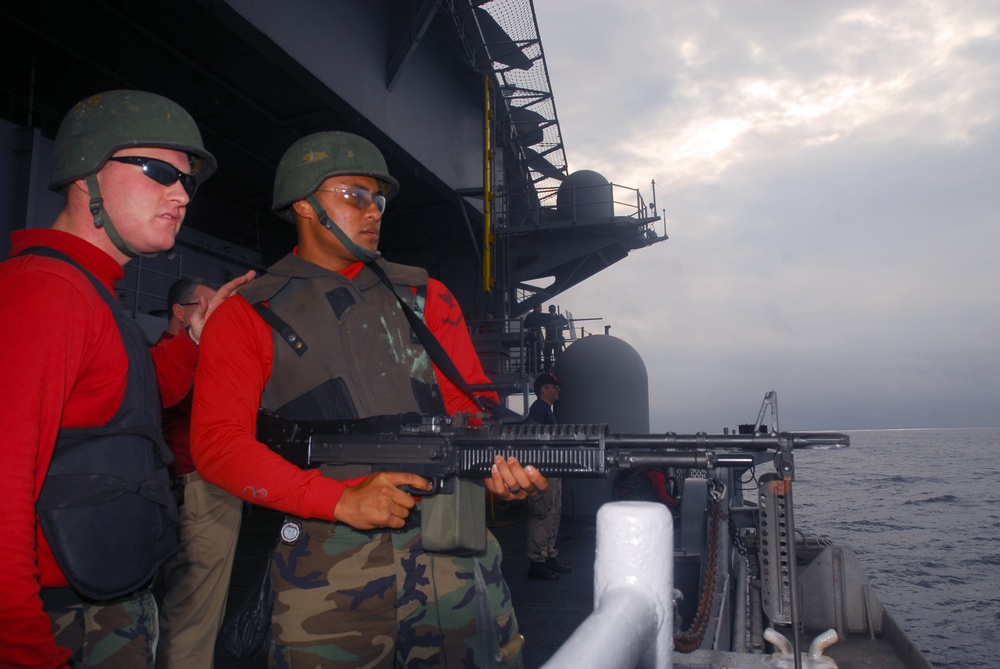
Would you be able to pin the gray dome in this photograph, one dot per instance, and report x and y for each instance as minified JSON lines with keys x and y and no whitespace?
{"x":605,"y":382}
{"x":584,"y":194}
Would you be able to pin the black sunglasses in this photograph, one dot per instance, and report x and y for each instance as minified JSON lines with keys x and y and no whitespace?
{"x":161,"y":172}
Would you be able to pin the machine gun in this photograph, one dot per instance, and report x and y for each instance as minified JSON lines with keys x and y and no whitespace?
{"x":440,"y":448}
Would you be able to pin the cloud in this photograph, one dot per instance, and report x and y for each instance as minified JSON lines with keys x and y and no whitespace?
{"x":690,"y":92}
{"x":830,"y":181}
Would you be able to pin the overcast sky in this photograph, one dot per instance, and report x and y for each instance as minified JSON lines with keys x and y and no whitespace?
{"x":830,"y":173}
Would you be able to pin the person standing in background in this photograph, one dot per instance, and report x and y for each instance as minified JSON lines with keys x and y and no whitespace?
{"x":545,"y":508}
{"x":196,"y":578}
{"x":534,"y":339}
{"x":555,"y":323}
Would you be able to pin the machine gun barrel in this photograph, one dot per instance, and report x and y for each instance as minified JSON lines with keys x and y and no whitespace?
{"x":436,"y":450}
{"x":752,"y":442}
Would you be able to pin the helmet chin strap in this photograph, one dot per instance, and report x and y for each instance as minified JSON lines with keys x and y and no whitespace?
{"x":362,"y":254}
{"x":103,"y":220}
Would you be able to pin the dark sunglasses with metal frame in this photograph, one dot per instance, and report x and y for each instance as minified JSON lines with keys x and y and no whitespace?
{"x":362,"y":198}
{"x":161,"y":172}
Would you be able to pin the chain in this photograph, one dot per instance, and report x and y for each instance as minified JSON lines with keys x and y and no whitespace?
{"x":689,"y":640}
{"x":738,"y":541}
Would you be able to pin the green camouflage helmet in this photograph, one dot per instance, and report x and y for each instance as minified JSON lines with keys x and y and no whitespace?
{"x":104,"y":123}
{"x":313,"y":159}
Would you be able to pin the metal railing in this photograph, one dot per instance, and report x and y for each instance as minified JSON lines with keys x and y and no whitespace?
{"x":632,"y":622}
{"x":515,"y":350}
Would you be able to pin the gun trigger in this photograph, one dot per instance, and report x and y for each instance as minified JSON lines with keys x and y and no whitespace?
{"x":436,"y":486}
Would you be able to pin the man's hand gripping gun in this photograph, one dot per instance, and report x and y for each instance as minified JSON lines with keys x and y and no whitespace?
{"x":440,"y":449}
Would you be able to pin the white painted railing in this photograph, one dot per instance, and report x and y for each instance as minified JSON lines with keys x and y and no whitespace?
{"x":632,"y":622}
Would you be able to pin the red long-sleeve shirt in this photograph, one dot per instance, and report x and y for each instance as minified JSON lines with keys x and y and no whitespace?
{"x":64,"y":365}
{"x":235,"y":366}
{"x":177,"y":429}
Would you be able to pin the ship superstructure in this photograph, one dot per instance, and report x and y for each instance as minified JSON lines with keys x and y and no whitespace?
{"x":457,"y":96}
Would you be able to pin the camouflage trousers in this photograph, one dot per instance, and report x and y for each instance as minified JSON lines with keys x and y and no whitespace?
{"x":346,"y":598}
{"x":118,"y":635}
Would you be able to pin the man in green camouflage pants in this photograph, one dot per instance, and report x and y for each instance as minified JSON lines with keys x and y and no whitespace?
{"x":108,"y":634}
{"x":345,"y":597}
{"x":323,"y":336}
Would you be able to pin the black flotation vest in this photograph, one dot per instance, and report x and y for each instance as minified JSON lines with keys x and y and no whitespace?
{"x":106,"y":507}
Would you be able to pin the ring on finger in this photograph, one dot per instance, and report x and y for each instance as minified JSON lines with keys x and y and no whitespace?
{"x":514,"y":489}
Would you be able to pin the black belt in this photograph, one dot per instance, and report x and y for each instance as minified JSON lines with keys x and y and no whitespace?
{"x":61,"y":598}
{"x":184,"y":479}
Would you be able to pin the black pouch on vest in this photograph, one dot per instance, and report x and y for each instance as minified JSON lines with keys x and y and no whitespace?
{"x":108,"y":513}
{"x":455,"y":524}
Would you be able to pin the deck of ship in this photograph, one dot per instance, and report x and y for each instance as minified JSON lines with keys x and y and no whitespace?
{"x":549,"y":612}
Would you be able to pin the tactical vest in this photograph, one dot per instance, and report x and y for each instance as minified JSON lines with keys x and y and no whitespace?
{"x":106,"y":507}
{"x":343,"y":348}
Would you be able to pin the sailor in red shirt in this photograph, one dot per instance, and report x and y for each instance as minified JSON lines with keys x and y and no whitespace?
{"x":128,"y":163}
{"x":357,"y":580}
{"x":196,"y":578}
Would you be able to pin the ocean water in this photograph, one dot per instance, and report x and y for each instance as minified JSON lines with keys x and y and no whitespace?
{"x":921,"y":508}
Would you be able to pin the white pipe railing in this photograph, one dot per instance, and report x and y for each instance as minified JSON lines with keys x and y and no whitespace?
{"x":632,"y":622}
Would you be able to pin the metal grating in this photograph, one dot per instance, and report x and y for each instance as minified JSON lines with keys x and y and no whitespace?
{"x":501,"y":36}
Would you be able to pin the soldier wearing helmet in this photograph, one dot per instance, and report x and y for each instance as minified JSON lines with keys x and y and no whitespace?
{"x":82,"y":392}
{"x":122,"y":130}
{"x":323,"y":337}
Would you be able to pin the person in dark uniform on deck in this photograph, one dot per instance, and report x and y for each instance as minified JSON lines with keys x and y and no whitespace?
{"x":533,"y":339}
{"x":545,"y":509}
{"x":555,"y":324}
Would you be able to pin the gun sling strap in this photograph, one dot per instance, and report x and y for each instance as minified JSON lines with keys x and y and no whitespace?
{"x":437,"y":353}
{"x":451,"y":524}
